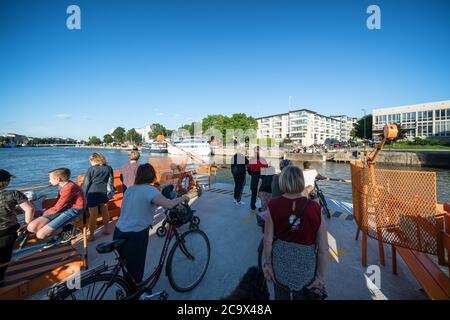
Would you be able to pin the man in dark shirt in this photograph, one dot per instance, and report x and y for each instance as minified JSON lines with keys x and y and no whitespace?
{"x":239,"y":164}
{"x":9,"y":226}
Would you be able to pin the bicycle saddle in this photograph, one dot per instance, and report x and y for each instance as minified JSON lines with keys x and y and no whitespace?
{"x":111,"y":246}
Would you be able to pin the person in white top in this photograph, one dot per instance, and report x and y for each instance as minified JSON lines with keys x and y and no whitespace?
{"x":310,"y":175}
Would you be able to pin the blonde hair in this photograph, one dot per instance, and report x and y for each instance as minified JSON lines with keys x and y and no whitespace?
{"x":98,"y":158}
{"x":62,"y":173}
{"x":134,"y":155}
{"x":291,"y":180}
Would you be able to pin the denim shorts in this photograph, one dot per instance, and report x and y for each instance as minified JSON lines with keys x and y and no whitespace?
{"x":57,"y":220}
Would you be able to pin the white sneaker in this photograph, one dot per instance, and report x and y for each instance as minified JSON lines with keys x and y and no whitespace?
{"x":241,"y":203}
{"x":235,"y":202}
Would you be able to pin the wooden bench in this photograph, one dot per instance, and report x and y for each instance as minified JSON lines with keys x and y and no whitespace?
{"x":428,"y":274}
{"x":30,"y":274}
{"x":40,"y":269}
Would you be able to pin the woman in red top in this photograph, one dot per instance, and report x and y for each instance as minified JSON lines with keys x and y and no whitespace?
{"x":298,"y":257}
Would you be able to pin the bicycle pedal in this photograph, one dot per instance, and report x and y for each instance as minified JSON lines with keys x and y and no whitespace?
{"x":161,"y":295}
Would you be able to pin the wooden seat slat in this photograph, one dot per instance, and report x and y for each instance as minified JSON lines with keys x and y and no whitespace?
{"x":432,"y":288}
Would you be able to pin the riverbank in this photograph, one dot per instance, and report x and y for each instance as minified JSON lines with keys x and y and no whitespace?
{"x":415,"y":158}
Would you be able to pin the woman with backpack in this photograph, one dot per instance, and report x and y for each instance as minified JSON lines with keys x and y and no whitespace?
{"x":295,"y":241}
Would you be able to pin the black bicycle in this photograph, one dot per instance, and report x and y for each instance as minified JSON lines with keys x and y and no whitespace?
{"x":186,"y":266}
{"x":317,"y":191}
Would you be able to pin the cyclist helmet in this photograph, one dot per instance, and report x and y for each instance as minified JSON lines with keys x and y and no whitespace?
{"x":284,"y":163}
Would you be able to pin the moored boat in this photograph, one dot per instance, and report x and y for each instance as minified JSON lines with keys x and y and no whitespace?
{"x":196,"y":147}
{"x":155,"y":147}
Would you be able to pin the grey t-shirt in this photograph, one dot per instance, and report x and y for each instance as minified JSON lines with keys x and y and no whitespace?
{"x":137,"y":211}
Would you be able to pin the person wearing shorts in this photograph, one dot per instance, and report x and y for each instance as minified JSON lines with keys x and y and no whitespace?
{"x":68,"y":206}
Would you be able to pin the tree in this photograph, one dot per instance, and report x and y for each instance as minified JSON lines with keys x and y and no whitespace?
{"x":3,"y":139}
{"x":235,"y":122}
{"x":242,"y":121}
{"x":401,"y":134}
{"x":107,"y":138}
{"x":133,"y":137}
{"x":216,"y":121}
{"x":119,"y":135}
{"x":158,"y":129}
{"x":360,"y":125}
{"x":188,"y":127}
{"x":94,"y":141}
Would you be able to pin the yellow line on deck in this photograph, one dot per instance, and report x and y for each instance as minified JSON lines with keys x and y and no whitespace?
{"x":339,"y":252}
{"x":249,"y":217}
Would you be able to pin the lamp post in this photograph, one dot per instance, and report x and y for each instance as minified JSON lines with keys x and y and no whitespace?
{"x":364,"y":137}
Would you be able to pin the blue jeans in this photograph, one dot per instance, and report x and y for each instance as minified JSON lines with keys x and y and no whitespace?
{"x":57,"y":220}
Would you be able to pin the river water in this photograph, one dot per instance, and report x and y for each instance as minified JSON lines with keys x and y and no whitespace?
{"x":31,"y":166}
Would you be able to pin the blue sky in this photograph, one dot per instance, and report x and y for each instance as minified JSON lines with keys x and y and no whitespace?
{"x":138,"y":62}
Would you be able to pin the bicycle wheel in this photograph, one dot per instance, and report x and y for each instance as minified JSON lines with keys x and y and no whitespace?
{"x":98,"y":287}
{"x":261,"y":255}
{"x":186,"y":272}
{"x":323,"y":204}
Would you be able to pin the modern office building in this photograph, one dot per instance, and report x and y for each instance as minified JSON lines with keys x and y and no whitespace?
{"x":305,"y":127}
{"x":420,"y":120}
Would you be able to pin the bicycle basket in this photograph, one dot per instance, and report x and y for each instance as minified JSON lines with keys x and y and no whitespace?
{"x":180,"y":214}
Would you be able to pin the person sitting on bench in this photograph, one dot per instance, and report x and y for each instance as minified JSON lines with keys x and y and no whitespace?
{"x":9,"y":226}
{"x":68,"y":206}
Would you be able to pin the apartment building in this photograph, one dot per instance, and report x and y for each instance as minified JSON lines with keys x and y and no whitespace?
{"x":346,"y":125}
{"x":420,"y":120}
{"x":304,"y":126}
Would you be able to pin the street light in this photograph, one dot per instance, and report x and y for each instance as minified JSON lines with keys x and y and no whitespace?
{"x":364,"y":110}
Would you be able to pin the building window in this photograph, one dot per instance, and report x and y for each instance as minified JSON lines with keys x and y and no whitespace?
{"x":425,"y":115}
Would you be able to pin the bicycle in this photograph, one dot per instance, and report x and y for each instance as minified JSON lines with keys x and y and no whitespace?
{"x":111,"y":285}
{"x":322,"y":201}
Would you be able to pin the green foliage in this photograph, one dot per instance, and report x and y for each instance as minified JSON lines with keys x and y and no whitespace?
{"x":94,"y":141}
{"x":119,"y":135}
{"x":3,"y":139}
{"x":107,"y":138}
{"x":188,"y":127}
{"x":36,"y":141}
{"x":158,"y":129}
{"x":419,"y":143}
{"x":133,"y":137}
{"x":265,"y":141}
{"x":358,"y":130}
{"x":221,"y":123}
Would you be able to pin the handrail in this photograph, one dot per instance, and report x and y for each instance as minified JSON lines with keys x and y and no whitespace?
{"x":33,"y":188}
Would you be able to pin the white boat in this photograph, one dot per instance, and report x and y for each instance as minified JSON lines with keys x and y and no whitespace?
{"x":155,"y":147}
{"x":129,"y":147}
{"x":197,"y":147}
